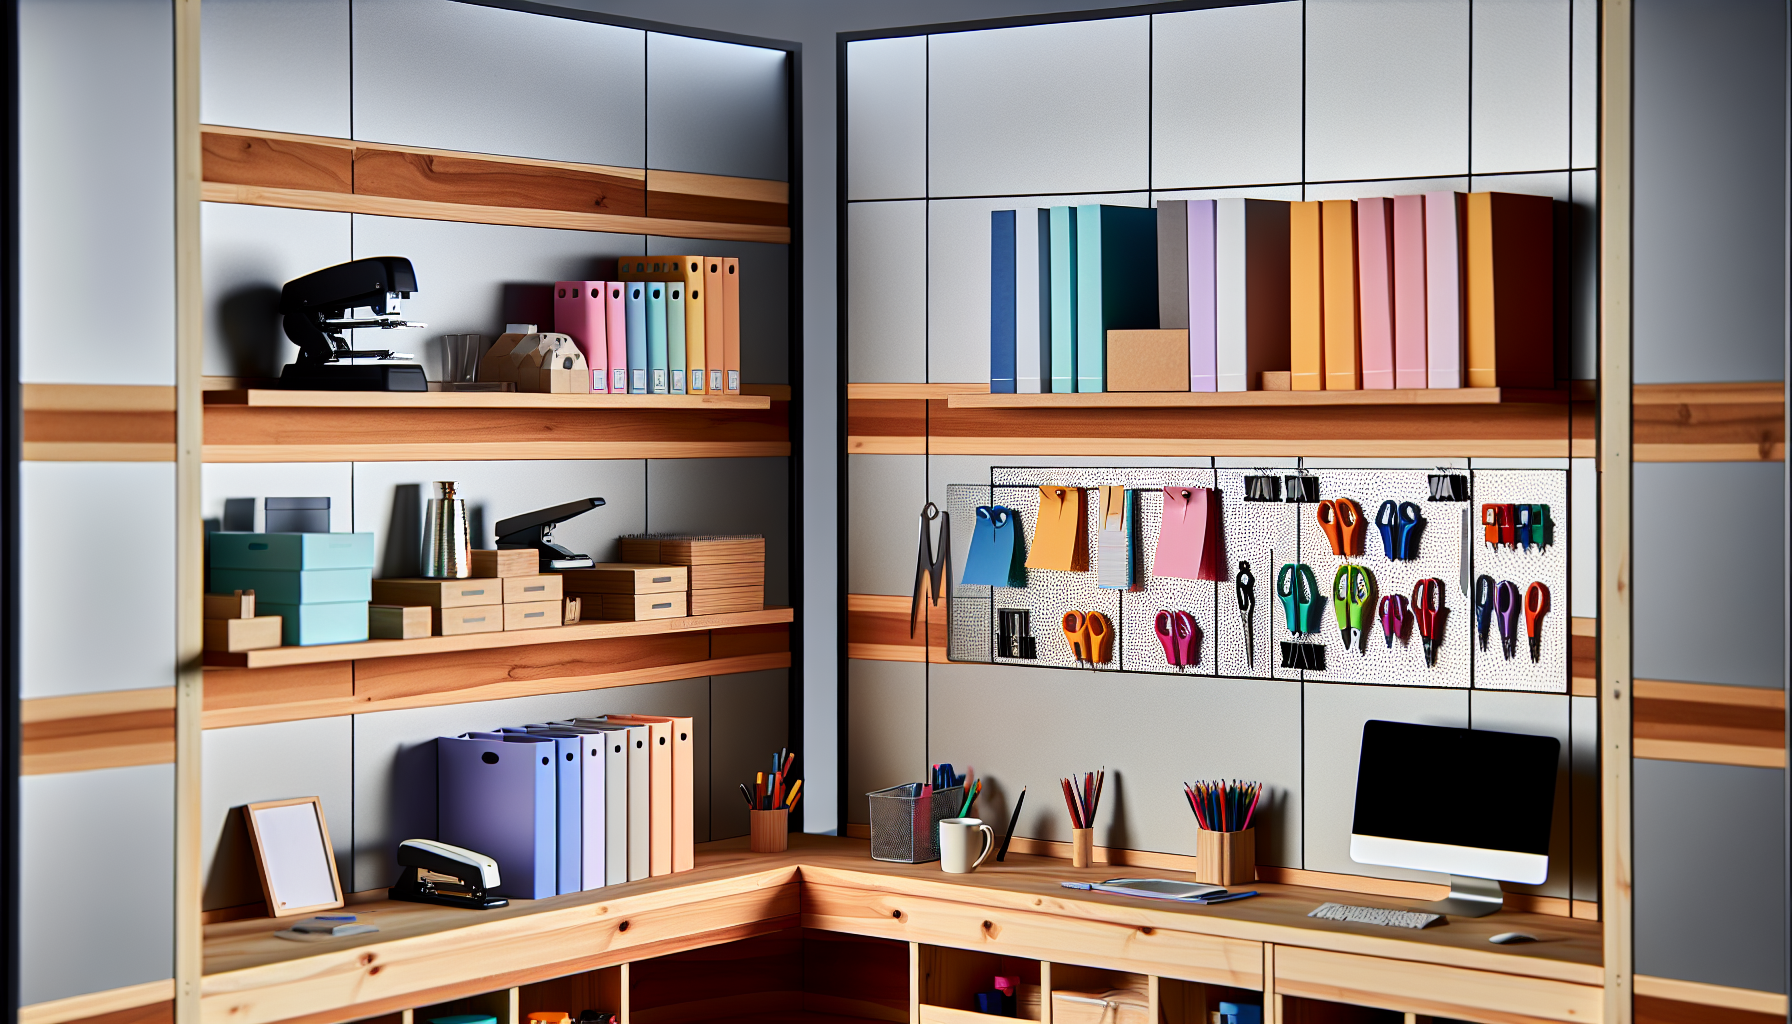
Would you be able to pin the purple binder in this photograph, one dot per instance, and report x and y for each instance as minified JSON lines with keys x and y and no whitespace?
{"x":497,"y":798}
{"x":1203,"y":328}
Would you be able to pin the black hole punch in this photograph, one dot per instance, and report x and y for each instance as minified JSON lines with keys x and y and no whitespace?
{"x":488,"y":757}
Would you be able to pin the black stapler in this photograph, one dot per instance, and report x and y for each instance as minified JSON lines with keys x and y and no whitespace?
{"x":536,"y":530}
{"x":424,"y":861}
{"x":314,"y":310}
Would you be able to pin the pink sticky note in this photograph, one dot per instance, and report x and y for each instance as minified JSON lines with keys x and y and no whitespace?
{"x":1409,"y":291}
{"x":1375,"y":290}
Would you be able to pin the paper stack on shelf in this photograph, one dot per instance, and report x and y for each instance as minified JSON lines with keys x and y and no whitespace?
{"x":726,"y":572}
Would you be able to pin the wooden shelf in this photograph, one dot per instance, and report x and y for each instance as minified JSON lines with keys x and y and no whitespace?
{"x":284,"y":657}
{"x":447,"y":400}
{"x":1257,"y":399}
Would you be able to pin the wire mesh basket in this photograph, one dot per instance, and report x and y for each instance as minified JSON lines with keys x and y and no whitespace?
{"x":905,"y":821}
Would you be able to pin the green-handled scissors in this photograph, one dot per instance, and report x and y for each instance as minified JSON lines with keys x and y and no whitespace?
{"x":1353,"y":599}
{"x":1299,"y":590}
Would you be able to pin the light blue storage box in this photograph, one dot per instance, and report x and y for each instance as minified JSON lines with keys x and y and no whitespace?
{"x":304,"y":625}
{"x":290,"y":551}
{"x":285,"y":586}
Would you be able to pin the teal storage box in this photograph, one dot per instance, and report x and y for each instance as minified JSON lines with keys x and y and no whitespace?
{"x":284,"y":586}
{"x":291,"y":551}
{"x":304,"y":625}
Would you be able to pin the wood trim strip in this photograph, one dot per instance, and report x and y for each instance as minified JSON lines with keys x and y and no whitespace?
{"x":1583,"y":626}
{"x":89,"y":705}
{"x":889,"y":392}
{"x":1767,"y":392}
{"x":1708,"y":753}
{"x":96,"y":398}
{"x":1433,"y":989}
{"x":719,"y":186}
{"x":634,"y":173}
{"x":495,"y":450}
{"x":446,"y":401}
{"x":1710,"y":693}
{"x":50,"y":451}
{"x":1704,"y":994}
{"x":1410,"y":448}
{"x":1766,"y":451}
{"x":1226,"y":399}
{"x":94,"y":1004}
{"x":887,"y":446}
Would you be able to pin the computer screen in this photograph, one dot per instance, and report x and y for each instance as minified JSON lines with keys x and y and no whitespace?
{"x":1469,"y":802}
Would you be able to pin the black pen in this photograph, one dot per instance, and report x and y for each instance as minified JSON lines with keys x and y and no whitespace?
{"x":1013,"y":820}
{"x":747,"y":795}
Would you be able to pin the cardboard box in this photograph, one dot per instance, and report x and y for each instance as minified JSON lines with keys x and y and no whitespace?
{"x":1153,"y":360}
{"x":727,"y":574}
{"x":694,"y":550}
{"x":306,"y":625}
{"x":528,"y":589}
{"x":534,"y":615}
{"x":637,"y":607}
{"x":729,"y":599}
{"x":506,"y":562}
{"x":625,"y":578}
{"x":239,"y":605}
{"x":439,"y":593}
{"x":484,"y":618}
{"x":236,"y":635}
{"x":399,"y":622}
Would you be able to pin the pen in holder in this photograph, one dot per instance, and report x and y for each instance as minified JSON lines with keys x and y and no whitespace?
{"x":1082,"y":847}
{"x":1225,"y":858}
{"x":1083,"y":797}
{"x":769,"y":803}
{"x":1225,"y":845}
{"x":771,"y":830}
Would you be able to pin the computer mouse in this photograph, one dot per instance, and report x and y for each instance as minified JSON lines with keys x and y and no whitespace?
{"x":1508,"y":938}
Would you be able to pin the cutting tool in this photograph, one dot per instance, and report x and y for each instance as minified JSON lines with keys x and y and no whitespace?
{"x":1352,"y":597}
{"x":1497,"y":519}
{"x":1177,"y":633}
{"x":1428,"y":613}
{"x":1521,"y":527}
{"x":1483,"y":606}
{"x":1090,"y":636}
{"x":1299,"y":590}
{"x":1342,"y":522}
{"x":1393,"y":617}
{"x":1505,"y":612}
{"x":1536,"y":605}
{"x":1399,"y":522}
{"x":1246,"y":585}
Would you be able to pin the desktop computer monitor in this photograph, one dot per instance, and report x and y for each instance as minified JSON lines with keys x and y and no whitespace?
{"x":1473,"y":803}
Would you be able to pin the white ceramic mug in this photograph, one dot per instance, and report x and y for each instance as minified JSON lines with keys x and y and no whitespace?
{"x":955,"y":844}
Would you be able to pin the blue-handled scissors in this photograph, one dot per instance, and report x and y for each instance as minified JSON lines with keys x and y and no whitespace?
{"x":1299,"y":590}
{"x":1399,"y":523}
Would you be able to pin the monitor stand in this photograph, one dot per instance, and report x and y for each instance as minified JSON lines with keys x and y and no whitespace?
{"x":1469,"y":897}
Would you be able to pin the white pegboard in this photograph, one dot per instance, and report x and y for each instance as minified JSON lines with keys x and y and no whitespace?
{"x":1548,"y":565}
{"x":1262,"y":533}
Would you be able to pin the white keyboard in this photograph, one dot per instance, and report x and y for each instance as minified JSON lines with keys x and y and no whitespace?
{"x":1375,"y":915}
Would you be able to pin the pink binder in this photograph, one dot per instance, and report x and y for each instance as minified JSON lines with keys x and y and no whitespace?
{"x":1375,"y":290}
{"x":616,"y":324}
{"x":1409,"y":291}
{"x":1446,"y":335}
{"x":1190,"y":545}
{"x":579,"y":314}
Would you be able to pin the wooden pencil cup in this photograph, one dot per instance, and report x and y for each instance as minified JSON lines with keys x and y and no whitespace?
{"x":771,"y":830}
{"x":1082,"y":847}
{"x":1225,"y":858}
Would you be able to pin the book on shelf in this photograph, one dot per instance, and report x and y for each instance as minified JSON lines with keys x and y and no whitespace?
{"x":1116,"y":282}
{"x":1002,"y":373}
{"x":1250,"y":295}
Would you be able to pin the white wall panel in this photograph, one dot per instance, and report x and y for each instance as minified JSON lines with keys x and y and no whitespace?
{"x":126,"y":510}
{"x":253,"y":763}
{"x":473,"y":278}
{"x":390,"y":496}
{"x":884,"y":498}
{"x":731,"y":496}
{"x":1539,"y":714}
{"x":96,"y":191}
{"x":886,"y":728}
{"x":1397,"y":187}
{"x":248,"y":253}
{"x":752,"y":712}
{"x":886,"y":280}
{"x":460,"y":76}
{"x":1041,"y":108}
{"x":257,"y":480}
{"x":886,"y":118}
{"x":1520,"y":90}
{"x":1387,"y":88}
{"x":77,"y":830}
{"x":1334,"y":749}
{"x":1290,"y":193}
{"x":1584,"y":84}
{"x":1226,"y":96}
{"x":277,"y":65}
{"x":1583,"y":537}
{"x":716,"y":108}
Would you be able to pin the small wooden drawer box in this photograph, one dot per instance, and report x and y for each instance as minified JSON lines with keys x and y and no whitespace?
{"x":239,"y":635}
{"x":692,"y":550}
{"x":532,"y":589}
{"x":727,"y":574}
{"x":465,"y":593}
{"x":729,"y":599}
{"x":534,"y":615}
{"x":399,"y":622}
{"x":506,"y":562}
{"x":626,"y":578}
{"x":484,"y":618}
{"x":636,"y":607}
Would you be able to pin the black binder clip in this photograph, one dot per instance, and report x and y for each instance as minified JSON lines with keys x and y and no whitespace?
{"x":1302,"y":486}
{"x":1310,"y":657}
{"x":1012,"y":634}
{"x":931,"y":566}
{"x":1262,"y":488}
{"x":1448,"y":486}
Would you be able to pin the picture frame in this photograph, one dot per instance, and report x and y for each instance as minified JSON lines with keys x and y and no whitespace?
{"x":293,"y":856}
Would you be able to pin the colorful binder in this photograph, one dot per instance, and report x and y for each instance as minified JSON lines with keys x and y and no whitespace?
{"x":715,"y":325}
{"x":674,"y":743}
{"x":563,"y":754}
{"x":1306,"y":298}
{"x":1116,"y":283}
{"x":616,"y":797}
{"x":592,"y":760}
{"x":675,"y":337}
{"x":1445,"y":316}
{"x":635,"y":299}
{"x":1250,"y":295}
{"x":616,"y":329}
{"x":1375,"y":290}
{"x":731,"y":323}
{"x":1064,"y":295}
{"x":1002,"y":374}
{"x":656,"y":337}
{"x":1172,"y":264}
{"x":1203,"y":365}
{"x":656,"y":734}
{"x":1409,"y":291}
{"x":1511,"y":312}
{"x":696,"y":354}
{"x":1343,"y":366}
{"x":1033,"y":357}
{"x":579,"y":314}
{"x":498,"y":799}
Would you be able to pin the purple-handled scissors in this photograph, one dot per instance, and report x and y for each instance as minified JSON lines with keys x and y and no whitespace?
{"x":1506,"y":603}
{"x":1393,"y":617}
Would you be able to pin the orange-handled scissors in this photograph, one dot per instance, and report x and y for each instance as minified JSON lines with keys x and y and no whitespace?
{"x":1536,"y":605}
{"x":1090,"y":636}
{"x":1342,"y":522}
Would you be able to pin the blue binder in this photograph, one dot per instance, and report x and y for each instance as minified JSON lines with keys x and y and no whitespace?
{"x":569,"y":844}
{"x":1116,"y":283}
{"x":1064,"y":299}
{"x":1001,"y":302}
{"x":634,"y":308}
{"x":498,"y":799}
{"x":675,"y":354}
{"x":656,"y":337}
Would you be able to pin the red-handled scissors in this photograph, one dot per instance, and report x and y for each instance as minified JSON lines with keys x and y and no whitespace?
{"x":1536,"y":605}
{"x":1428,"y":612}
{"x":1179,"y":636}
{"x":1505,"y":612}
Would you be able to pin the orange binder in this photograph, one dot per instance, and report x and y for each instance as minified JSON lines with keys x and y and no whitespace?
{"x":1306,"y":299}
{"x":1343,"y":356}
{"x":731,"y":321}
{"x":672,"y":791}
{"x":1511,"y":317}
{"x":1060,"y":531}
{"x":696,"y":357}
{"x":715,"y":326}
{"x":651,"y":268}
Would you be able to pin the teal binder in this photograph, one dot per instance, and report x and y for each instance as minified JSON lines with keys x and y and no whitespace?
{"x":231,"y":550}
{"x":305,"y":625}
{"x":656,"y":338}
{"x":1116,"y":284}
{"x":675,"y":355}
{"x":1064,"y":299}
{"x":296,"y":586}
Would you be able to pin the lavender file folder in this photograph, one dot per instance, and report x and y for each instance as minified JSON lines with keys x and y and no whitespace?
{"x":1203,"y":368}
{"x":497,"y":798}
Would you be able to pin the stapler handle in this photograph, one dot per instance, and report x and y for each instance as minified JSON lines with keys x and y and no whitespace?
{"x":430,"y":855}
